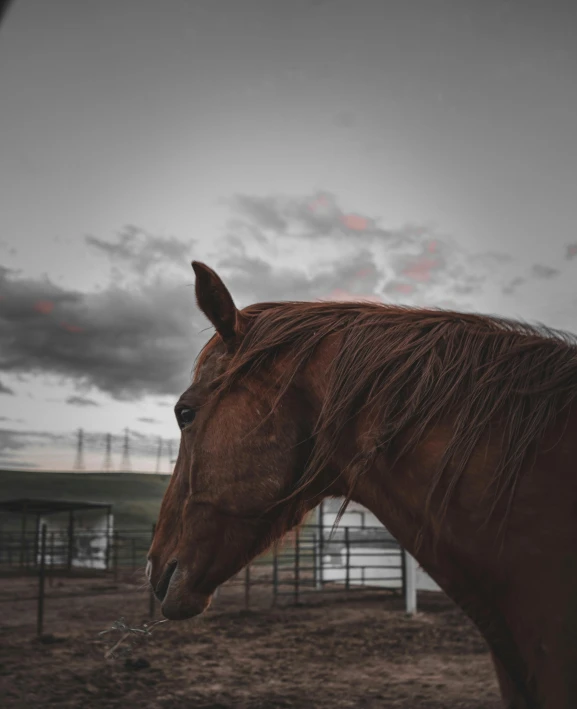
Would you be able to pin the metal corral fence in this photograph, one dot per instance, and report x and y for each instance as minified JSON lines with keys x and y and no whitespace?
{"x":310,"y":560}
{"x":83,"y":551}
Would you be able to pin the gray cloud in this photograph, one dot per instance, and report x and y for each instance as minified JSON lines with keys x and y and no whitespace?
{"x":12,"y":440}
{"x":125,"y":341}
{"x":80,"y":401}
{"x":510,"y":287}
{"x":140,"y":338}
{"x":309,"y":217}
{"x":6,"y":390}
{"x":541,"y":271}
{"x":137,"y":250}
{"x":412,"y":264}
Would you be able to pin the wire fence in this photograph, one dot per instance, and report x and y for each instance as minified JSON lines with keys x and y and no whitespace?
{"x":312,"y":561}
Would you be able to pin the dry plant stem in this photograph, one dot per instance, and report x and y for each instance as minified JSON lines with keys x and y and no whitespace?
{"x":108,"y":653}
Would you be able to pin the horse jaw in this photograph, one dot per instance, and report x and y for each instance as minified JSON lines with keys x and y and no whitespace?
{"x":180,"y":603}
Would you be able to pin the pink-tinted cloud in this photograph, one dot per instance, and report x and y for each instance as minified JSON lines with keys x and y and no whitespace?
{"x":71,"y":328}
{"x":398,"y":287}
{"x":319,"y":203}
{"x":355,"y":222}
{"x":420,"y":270}
{"x":345,"y":295}
{"x":364,"y":272}
{"x":44,"y":306}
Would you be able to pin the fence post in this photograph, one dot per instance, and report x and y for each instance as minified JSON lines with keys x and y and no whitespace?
{"x":411,"y":584}
{"x":115,"y":554}
{"x":247,"y":586}
{"x":23,"y":533}
{"x":348,"y":560}
{"x":321,"y":544}
{"x":403,"y":572}
{"x":41,"y":574}
{"x":51,"y":547}
{"x":297,"y":564}
{"x":151,"y":596}
{"x":36,"y":540}
{"x":315,"y":562}
{"x":275,"y":575}
{"x":107,"y":550}
{"x":70,"y":540}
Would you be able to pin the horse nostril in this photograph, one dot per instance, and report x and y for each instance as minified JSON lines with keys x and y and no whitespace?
{"x":162,"y":586}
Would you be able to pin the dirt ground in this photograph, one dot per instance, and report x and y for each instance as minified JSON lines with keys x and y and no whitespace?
{"x":361,"y":651}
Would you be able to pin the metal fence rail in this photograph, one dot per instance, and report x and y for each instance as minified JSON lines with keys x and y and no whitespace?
{"x":309,"y":560}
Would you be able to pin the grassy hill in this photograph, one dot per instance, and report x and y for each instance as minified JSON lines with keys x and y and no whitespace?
{"x":135,"y":497}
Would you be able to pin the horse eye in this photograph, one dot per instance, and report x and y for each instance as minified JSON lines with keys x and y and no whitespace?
{"x":184,"y":417}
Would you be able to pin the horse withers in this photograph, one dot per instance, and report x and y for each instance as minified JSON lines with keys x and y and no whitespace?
{"x":457,"y":431}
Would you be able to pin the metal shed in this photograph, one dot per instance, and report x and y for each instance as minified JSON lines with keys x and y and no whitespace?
{"x":68,"y":534}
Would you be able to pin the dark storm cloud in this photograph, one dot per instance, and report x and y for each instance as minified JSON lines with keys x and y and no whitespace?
{"x":125,"y":342}
{"x":80,"y":401}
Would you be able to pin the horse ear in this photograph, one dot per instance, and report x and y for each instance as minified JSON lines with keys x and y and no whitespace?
{"x":217,"y":304}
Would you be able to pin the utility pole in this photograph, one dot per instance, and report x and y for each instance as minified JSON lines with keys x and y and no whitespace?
{"x":79,"y":462}
{"x":126,"y":453}
{"x":108,"y":456}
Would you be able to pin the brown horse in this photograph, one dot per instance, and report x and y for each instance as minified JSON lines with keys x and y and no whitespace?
{"x":459,"y":432}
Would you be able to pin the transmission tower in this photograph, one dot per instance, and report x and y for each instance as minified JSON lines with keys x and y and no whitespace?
{"x":107,"y":465}
{"x":79,"y":462}
{"x":159,"y":455}
{"x":126,"y":453}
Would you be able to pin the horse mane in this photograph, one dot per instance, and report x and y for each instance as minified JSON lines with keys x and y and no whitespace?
{"x":409,"y":367}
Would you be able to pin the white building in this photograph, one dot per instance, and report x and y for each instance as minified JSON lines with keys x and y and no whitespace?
{"x":362,"y":552}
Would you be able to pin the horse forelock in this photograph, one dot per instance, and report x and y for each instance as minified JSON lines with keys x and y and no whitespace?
{"x":411,"y":366}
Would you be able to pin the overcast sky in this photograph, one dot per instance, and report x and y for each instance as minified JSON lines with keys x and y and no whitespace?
{"x":422,"y":152}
